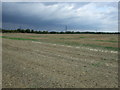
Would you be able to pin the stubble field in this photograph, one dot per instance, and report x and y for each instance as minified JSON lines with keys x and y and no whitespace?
{"x":59,"y":61}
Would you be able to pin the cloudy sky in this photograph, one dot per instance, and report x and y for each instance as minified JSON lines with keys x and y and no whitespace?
{"x":53,"y":16}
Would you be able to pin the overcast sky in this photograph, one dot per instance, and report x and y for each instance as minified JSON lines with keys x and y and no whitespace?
{"x":82,"y":16}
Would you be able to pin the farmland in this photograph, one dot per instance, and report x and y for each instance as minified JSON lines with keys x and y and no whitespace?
{"x":59,"y":60}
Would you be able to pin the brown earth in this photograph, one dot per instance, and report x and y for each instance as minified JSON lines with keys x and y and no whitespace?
{"x":109,"y":40}
{"x":28,"y":64}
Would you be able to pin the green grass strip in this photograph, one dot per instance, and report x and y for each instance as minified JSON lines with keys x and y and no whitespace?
{"x":94,"y":46}
{"x":13,"y":38}
{"x":82,"y":37}
{"x":107,"y":41}
{"x":105,"y":47}
{"x":67,"y":43}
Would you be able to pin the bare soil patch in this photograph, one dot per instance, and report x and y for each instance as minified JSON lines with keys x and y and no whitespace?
{"x":40,"y":65}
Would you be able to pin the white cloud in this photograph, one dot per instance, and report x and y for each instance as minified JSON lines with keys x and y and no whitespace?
{"x":91,"y":15}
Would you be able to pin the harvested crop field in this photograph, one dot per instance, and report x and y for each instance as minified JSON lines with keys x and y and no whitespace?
{"x":59,"y":60}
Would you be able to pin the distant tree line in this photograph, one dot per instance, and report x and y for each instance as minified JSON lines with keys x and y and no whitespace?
{"x":53,"y":32}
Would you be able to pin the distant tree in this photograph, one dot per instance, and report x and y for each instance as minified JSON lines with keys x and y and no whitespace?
{"x":18,"y":30}
{"x":45,"y":32}
{"x":61,"y":32}
{"x":53,"y":32}
{"x":27,"y":30}
{"x":32,"y":31}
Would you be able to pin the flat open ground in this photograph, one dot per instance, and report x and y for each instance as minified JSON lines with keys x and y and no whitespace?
{"x":59,"y":61}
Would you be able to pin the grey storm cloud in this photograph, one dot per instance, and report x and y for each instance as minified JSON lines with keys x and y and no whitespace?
{"x":80,"y":16}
